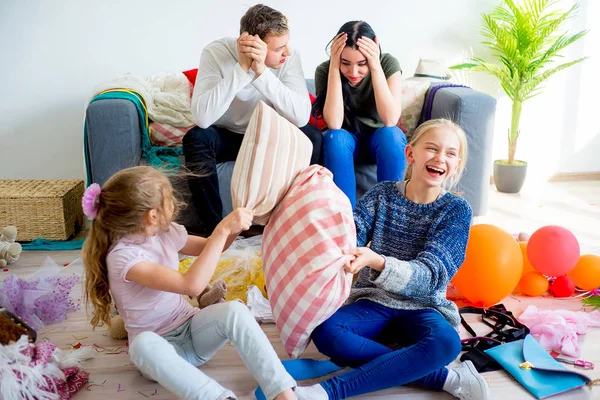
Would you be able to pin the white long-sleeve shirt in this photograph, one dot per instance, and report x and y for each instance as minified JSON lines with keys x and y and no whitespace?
{"x":225,"y":95}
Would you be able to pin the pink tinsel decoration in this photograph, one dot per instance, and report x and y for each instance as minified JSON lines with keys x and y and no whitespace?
{"x":43,"y":298}
{"x":559,"y":329}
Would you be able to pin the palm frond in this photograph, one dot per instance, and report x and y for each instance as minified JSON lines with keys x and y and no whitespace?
{"x":593,"y":301}
{"x":560,"y":43}
{"x":536,"y":8}
{"x":549,"y":22}
{"x":531,"y":85}
{"x":463,"y":66}
{"x":501,"y":40}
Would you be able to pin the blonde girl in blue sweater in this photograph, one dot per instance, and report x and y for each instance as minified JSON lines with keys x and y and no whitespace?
{"x":398,"y":327}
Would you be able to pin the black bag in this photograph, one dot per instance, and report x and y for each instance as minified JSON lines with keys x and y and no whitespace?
{"x":505,"y":328}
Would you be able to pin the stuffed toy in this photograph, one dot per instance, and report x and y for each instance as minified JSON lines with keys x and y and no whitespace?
{"x":12,"y":328}
{"x":211,"y":295}
{"x":9,"y":250}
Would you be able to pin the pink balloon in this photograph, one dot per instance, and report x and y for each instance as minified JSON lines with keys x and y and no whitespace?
{"x":553,"y":250}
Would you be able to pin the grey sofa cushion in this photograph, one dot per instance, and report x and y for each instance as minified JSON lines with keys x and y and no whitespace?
{"x":475,"y":113}
{"x":114,"y":140}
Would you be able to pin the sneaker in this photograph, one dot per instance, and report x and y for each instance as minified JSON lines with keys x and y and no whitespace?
{"x":471,"y":385}
{"x":314,"y":392}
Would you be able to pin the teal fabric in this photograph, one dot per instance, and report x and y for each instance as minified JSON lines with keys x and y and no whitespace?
{"x":156,"y":156}
{"x":43,"y":244}
{"x":546,"y":378}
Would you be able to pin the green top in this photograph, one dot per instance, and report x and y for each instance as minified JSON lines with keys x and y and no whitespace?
{"x":363,"y":96}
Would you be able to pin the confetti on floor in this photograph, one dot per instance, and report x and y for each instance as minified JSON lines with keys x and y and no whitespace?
{"x":88,"y":388}
{"x":154,"y":392}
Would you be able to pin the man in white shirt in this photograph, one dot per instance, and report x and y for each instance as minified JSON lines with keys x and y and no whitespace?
{"x":233,"y":76}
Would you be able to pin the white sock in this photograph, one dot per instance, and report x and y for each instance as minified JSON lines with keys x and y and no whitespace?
{"x":452,"y":381}
{"x":314,"y":392}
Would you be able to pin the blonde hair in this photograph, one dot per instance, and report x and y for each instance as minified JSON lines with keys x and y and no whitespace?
{"x":448,"y":125}
{"x":122,"y":204}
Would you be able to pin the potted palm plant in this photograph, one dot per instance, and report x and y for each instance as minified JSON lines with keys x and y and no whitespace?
{"x":526,"y":39}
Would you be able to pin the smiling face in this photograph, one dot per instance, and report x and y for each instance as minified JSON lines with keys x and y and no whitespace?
{"x":353,"y":65}
{"x":435,"y":156}
{"x":277,"y":50}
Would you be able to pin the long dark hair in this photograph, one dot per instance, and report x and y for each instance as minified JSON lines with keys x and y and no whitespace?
{"x":355,"y":30}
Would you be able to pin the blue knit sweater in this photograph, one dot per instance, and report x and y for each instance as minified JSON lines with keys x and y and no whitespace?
{"x":424,"y":245}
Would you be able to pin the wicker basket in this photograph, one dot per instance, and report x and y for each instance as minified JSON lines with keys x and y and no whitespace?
{"x":42,"y":209}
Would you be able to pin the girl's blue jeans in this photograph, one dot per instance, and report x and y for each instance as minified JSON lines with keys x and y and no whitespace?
{"x":386,"y":348}
{"x":385,"y":146}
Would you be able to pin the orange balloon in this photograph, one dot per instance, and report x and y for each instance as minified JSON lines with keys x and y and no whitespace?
{"x":527,"y":267}
{"x":534,"y":284}
{"x":586,"y":273}
{"x":492,"y":266}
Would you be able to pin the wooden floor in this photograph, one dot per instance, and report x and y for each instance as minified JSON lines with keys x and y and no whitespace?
{"x":575,"y":205}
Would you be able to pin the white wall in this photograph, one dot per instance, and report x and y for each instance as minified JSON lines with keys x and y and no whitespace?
{"x":54,"y":53}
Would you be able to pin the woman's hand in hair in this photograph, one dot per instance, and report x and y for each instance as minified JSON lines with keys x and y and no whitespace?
{"x":364,"y":257}
{"x":244,"y":60}
{"x":370,"y":49}
{"x":239,"y":220}
{"x":337,"y":46}
{"x":254,"y":48}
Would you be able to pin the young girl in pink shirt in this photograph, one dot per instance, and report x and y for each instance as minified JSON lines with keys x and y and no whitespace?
{"x":131,"y":258}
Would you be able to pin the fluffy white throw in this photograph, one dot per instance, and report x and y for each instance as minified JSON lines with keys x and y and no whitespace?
{"x":167,"y":96}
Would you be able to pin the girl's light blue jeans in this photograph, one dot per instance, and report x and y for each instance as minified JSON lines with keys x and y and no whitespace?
{"x":385,"y":146}
{"x":171,"y":359}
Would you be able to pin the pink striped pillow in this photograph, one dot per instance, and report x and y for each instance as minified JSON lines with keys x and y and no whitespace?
{"x":167,"y":135}
{"x":302,"y":256}
{"x":273,"y":152}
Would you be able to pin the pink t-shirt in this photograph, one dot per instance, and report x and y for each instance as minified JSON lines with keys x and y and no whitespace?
{"x":142,"y":308}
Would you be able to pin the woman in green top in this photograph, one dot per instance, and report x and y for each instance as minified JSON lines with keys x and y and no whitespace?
{"x":358,"y":93}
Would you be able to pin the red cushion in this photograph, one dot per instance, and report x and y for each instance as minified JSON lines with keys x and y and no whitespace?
{"x":316,"y":122}
{"x":191,"y":75}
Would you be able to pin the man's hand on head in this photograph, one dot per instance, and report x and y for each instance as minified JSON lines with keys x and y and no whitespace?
{"x":254,"y":48}
{"x":244,"y":60}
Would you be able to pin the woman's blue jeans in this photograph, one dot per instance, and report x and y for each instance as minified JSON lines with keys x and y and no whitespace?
{"x":385,"y":146}
{"x":386,"y":347}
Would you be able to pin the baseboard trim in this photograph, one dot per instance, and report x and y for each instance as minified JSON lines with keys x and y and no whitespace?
{"x":575,"y":176}
{"x":569,"y":177}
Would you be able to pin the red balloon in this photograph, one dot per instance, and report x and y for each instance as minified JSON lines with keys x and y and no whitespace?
{"x":553,"y":250}
{"x":563,"y":286}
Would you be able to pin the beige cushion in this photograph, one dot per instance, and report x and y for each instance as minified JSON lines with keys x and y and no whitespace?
{"x":414,"y":89}
{"x":413,"y":96}
{"x":272,"y":154}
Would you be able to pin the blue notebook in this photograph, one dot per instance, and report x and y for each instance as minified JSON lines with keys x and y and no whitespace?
{"x":535,"y":369}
